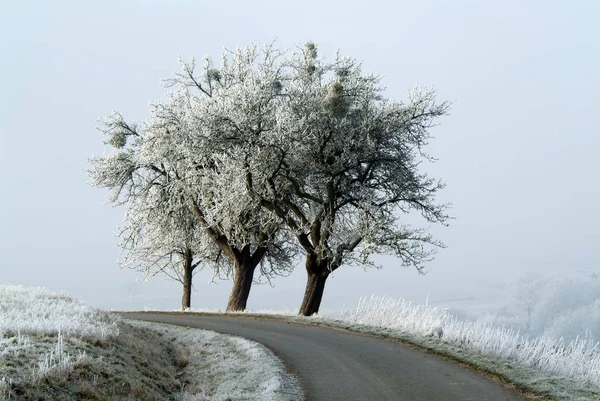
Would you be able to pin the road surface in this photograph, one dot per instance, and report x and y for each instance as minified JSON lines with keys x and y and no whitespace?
{"x":339,"y":365}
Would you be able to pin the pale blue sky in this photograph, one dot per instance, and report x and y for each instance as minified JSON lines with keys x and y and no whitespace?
{"x":519,"y":151}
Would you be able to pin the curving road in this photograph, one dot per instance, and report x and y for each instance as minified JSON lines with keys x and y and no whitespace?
{"x":339,"y":365}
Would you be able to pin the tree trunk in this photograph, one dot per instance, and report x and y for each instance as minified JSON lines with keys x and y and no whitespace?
{"x":317,"y":272}
{"x":242,"y":281}
{"x":186,"y":299}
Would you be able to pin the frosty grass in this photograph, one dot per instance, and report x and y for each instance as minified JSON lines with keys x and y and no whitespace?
{"x":54,"y":347}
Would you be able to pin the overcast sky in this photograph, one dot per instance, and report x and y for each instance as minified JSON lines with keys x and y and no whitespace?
{"x":520,"y":151}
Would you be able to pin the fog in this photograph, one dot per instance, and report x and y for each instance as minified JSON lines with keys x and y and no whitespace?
{"x":518,"y":151}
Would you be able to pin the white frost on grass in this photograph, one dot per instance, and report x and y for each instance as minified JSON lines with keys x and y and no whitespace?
{"x":58,"y":359}
{"x":398,"y":314}
{"x":54,"y":347}
{"x":236,"y":368}
{"x":36,"y":310}
{"x":29,"y":320}
{"x":5,"y":389}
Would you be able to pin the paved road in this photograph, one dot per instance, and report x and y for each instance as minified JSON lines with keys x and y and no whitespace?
{"x":338,"y":365}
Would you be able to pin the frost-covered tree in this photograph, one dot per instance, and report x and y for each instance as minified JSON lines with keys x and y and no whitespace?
{"x":195,"y":129}
{"x":157,"y":240}
{"x":528,"y":294}
{"x":340,"y":167}
{"x":157,"y":237}
{"x":564,"y":306}
{"x":181,"y":148}
{"x":265,"y":141}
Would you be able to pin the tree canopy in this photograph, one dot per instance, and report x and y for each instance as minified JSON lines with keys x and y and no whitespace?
{"x":275,"y":153}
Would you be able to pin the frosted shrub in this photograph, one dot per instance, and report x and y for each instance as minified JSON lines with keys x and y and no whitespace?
{"x":573,"y":322}
{"x":559,"y":304}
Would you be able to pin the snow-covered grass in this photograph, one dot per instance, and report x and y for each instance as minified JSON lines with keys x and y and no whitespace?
{"x":53,"y":347}
{"x":543,"y":365}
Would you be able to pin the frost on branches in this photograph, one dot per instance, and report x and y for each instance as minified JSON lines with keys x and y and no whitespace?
{"x":177,"y":212}
{"x":158,"y":239}
{"x":271,"y":154}
{"x":339,"y":167}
